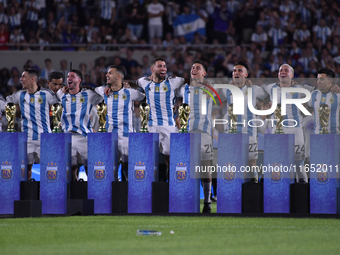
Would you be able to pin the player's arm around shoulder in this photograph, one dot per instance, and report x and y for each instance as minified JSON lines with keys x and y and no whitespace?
{"x":51,"y":96}
{"x":176,"y":82}
{"x":136,"y":95}
{"x":309,"y":104}
{"x":101,"y":90}
{"x":15,"y":97}
{"x":143,"y":82}
{"x":95,"y":98}
{"x":179,"y":92}
{"x":335,"y":89}
{"x":260,"y":92}
{"x":267,"y":87}
{"x":61,"y":92}
{"x":3,"y":104}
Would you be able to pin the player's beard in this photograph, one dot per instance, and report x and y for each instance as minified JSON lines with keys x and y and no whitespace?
{"x":72,"y":87}
{"x":159,"y":76}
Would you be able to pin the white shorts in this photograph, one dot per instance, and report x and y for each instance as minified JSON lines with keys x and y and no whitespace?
{"x":164,"y":137}
{"x":253,"y":153}
{"x":299,"y":148}
{"x":33,"y":151}
{"x":79,"y":146}
{"x":308,"y":125}
{"x":207,"y":150}
{"x":123,"y":147}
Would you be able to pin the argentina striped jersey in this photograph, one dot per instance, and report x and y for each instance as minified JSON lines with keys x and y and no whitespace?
{"x":76,"y":110}
{"x":292,"y":112}
{"x":31,"y":15}
{"x":3,"y":104}
{"x":244,"y":127}
{"x":160,"y":97}
{"x":193,"y":97}
{"x":3,"y":18}
{"x":106,"y":8}
{"x":333,"y":101}
{"x":120,"y":109}
{"x":14,"y":20}
{"x":35,"y":110}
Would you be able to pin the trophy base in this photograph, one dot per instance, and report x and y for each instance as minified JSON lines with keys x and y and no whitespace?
{"x":324,"y":132}
{"x":232,"y":132}
{"x":57,"y":129}
{"x":279,"y":132}
{"x":102,"y":130}
{"x":10,"y":130}
{"x":144,"y":131}
{"x":183,"y":130}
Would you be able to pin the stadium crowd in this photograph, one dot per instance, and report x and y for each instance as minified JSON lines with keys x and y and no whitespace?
{"x":203,"y":38}
{"x":265,"y":34}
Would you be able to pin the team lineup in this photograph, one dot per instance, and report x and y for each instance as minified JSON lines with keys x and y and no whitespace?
{"x":79,"y":114}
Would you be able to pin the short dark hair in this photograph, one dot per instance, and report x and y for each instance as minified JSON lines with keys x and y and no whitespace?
{"x":33,"y":72}
{"x":80,"y":75}
{"x":119,"y":69}
{"x":242,"y":63}
{"x":158,"y":59}
{"x":201,"y":63}
{"x":55,"y":75}
{"x":329,"y":72}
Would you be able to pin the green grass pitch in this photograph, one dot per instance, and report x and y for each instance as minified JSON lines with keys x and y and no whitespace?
{"x":192,"y":235}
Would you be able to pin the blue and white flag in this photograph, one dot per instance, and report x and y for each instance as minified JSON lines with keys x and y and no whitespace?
{"x":188,"y":25}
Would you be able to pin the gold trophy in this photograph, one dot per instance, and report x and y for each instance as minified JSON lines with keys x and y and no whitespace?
{"x":324,"y":111}
{"x":183,"y":112}
{"x":10,"y":115}
{"x":277,"y":113}
{"x":57,"y":110}
{"x":232,"y":120}
{"x":144,"y":111}
{"x":102,"y":111}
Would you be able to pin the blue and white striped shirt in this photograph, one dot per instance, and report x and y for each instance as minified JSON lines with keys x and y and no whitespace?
{"x":106,"y":8}
{"x":3,"y":104}
{"x":35,"y":110}
{"x":77,"y":110}
{"x":277,"y":35}
{"x":160,"y":98}
{"x":302,"y":35}
{"x":31,"y":15}
{"x":15,"y":20}
{"x":193,"y":97}
{"x":233,"y":6}
{"x":120,"y":109}
{"x":333,"y":101}
{"x":292,"y":112}
{"x":3,"y":18}
{"x":257,"y":92}
{"x":305,"y":15}
{"x":257,"y":38}
{"x":323,"y":33}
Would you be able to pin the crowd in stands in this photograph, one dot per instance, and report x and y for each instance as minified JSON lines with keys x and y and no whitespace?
{"x":263,"y":33}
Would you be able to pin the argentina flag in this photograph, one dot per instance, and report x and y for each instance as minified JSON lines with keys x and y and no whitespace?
{"x":188,"y":25}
